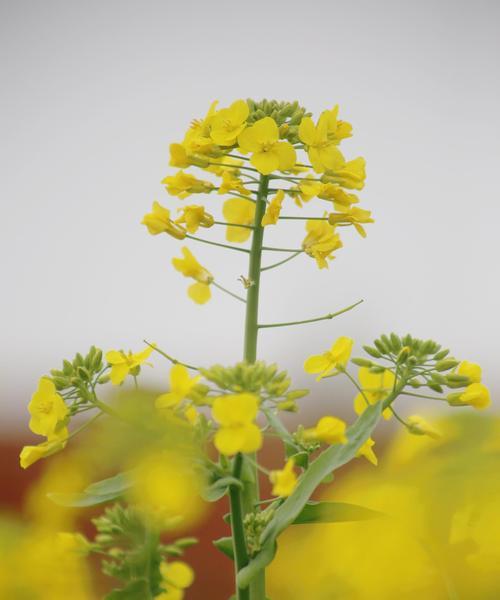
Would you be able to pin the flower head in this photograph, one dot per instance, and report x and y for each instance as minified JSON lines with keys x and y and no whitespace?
{"x":123,"y":364}
{"x":330,"y":361}
{"x":240,"y":212}
{"x":194,"y":217}
{"x":273,"y":209}
{"x":180,"y":386}
{"x":268,"y":152}
{"x":190,"y":267}
{"x":47,"y":409}
{"x":284,"y":480}
{"x":376,"y":387}
{"x":183,"y":184}
{"x":320,"y":242}
{"x":329,"y":430}
{"x":158,"y":221}
{"x":235,"y":414}
{"x":228,"y":123}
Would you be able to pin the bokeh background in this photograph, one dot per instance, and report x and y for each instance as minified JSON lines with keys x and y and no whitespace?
{"x":93,"y":93}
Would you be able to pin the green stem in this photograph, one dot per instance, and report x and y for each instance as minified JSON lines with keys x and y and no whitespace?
{"x":173,"y":360}
{"x":328,"y":316}
{"x":197,"y":239}
{"x":238,"y":531}
{"x":251,"y":493}
{"x":281,"y":262}
{"x":223,"y":289}
{"x":271,"y":249}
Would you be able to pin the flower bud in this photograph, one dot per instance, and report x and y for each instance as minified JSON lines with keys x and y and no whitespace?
{"x":446,"y":365}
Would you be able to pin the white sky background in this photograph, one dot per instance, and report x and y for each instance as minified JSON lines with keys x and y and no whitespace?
{"x":94,"y":92}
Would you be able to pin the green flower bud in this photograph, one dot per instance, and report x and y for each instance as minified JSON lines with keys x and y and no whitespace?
{"x":446,"y":365}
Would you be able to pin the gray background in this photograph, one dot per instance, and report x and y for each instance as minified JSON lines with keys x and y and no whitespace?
{"x":94,"y":92}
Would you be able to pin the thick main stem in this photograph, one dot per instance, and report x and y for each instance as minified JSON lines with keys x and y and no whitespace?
{"x":250,"y":495}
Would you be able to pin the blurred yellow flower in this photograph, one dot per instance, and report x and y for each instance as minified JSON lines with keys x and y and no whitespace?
{"x":158,"y":221}
{"x":124,"y":364}
{"x":320,"y":242}
{"x":47,"y":408}
{"x":242,"y":212}
{"x":180,"y":386}
{"x":322,"y":150}
{"x":284,"y":480}
{"x":228,"y":123}
{"x":235,"y":414}
{"x":183,"y":184}
{"x":54,"y":443}
{"x":195,"y":216}
{"x":329,"y":430}
{"x":190,"y":267}
{"x":268,"y":152}
{"x":328,"y":362}
{"x":419,"y":426}
{"x":376,"y":387}
{"x":273,"y":209}
{"x":176,"y":577}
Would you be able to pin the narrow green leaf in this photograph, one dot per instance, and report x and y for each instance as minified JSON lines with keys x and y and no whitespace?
{"x":334,"y":457}
{"x":334,"y":512}
{"x":225,"y":545}
{"x":215,"y":491}
{"x":81,"y":500}
{"x":112,"y":485}
{"x":282,"y":431}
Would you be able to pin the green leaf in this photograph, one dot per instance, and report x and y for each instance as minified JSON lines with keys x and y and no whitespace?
{"x":96,"y":493}
{"x":334,"y":512}
{"x":282,"y":431}
{"x":136,"y":590}
{"x":334,"y":457}
{"x":225,"y":545}
{"x":215,"y":491}
{"x":112,"y":485}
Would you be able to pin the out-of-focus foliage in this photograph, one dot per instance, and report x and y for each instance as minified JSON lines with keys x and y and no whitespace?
{"x":440,"y":538}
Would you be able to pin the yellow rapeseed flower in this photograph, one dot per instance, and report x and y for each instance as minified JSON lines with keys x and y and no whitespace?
{"x":367,"y":452}
{"x":351,"y":175}
{"x":197,"y":139}
{"x":183,"y":184}
{"x":337,"y":129}
{"x":230,"y":182}
{"x":329,"y":430}
{"x":320,"y":242}
{"x":228,"y":123}
{"x":159,"y":221}
{"x":470,"y":370}
{"x":180,"y":386}
{"x":47,"y":408}
{"x":224,"y":164}
{"x":376,"y":387}
{"x":352,"y":216}
{"x":284,"y":480}
{"x":235,"y":414}
{"x":123,"y":364}
{"x":335,"y":194}
{"x":330,"y":361}
{"x":54,"y":443}
{"x":322,"y":150}
{"x":195,"y":216}
{"x":190,"y":267}
{"x":241,"y":212}
{"x":273,"y":209}
{"x":475,"y":394}
{"x":268,"y":152}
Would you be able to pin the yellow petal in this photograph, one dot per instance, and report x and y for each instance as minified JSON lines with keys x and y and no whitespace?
{"x":317,"y":363}
{"x":199,"y":292}
{"x":235,"y":409}
{"x":177,"y":573}
{"x":307,"y":131}
{"x":118,"y":373}
{"x":237,"y":234}
{"x":286,"y":155}
{"x":265,"y":162}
